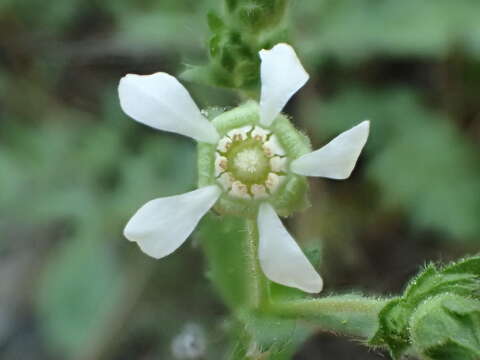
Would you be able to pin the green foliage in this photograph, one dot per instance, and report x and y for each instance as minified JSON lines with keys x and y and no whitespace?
{"x":79,"y":287}
{"x":446,"y":327}
{"x":223,"y":240}
{"x":231,"y":268}
{"x":244,"y":28}
{"x":420,"y":161}
{"x":105,"y":174}
{"x":354,"y":30}
{"x":433,"y":300}
{"x":73,"y":168}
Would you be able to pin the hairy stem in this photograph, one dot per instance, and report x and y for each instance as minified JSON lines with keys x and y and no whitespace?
{"x":348,"y":314}
{"x":257,"y":284}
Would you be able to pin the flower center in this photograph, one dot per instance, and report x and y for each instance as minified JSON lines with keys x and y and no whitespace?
{"x":250,"y":163}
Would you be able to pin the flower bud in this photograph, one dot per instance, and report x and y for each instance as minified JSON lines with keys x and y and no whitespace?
{"x":261,"y":14}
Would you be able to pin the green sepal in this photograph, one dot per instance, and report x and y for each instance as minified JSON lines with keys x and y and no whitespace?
{"x":460,"y":279}
{"x":292,"y":196}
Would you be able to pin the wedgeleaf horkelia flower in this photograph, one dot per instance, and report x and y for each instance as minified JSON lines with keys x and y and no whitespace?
{"x":252,"y":162}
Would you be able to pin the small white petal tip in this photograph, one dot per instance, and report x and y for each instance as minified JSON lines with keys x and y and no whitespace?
{"x":338,"y":158}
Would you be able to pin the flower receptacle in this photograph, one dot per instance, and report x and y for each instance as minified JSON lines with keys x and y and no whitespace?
{"x":251,"y":163}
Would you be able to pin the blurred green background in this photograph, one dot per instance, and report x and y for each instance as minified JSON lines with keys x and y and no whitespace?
{"x":74,"y":168}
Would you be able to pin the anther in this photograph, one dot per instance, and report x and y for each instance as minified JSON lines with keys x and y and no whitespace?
{"x":240,"y":190}
{"x":221,"y":164}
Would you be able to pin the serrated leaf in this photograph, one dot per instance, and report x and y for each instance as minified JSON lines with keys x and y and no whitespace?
{"x":392,"y":330}
{"x":461,"y":279}
{"x":446,"y":327}
{"x":470,"y":265}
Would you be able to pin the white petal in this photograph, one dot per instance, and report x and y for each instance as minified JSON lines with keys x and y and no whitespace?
{"x":260,"y":134}
{"x":258,"y":191}
{"x":226,"y":180}
{"x":272,"y":147}
{"x":224,"y":144}
{"x":278,"y":164}
{"x":160,"y":101}
{"x":274,"y":181}
{"x":162,"y":225}
{"x":282,"y":75}
{"x":337,"y":159}
{"x":280,"y":257}
{"x":239,"y":133}
{"x":221,"y":164}
{"x":240,"y":190}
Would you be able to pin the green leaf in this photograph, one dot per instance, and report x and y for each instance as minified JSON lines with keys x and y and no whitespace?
{"x":76,"y":294}
{"x":447,"y":327}
{"x":355,"y":30}
{"x":392,"y":331}
{"x":420,"y":161}
{"x":461,"y":279}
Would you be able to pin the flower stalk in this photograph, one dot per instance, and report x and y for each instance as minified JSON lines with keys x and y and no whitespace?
{"x":258,"y":288}
{"x":348,"y":315}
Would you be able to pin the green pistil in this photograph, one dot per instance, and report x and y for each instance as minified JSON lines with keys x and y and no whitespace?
{"x":247,"y":161}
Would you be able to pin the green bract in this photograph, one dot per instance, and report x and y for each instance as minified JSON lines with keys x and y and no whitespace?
{"x":256,"y":161}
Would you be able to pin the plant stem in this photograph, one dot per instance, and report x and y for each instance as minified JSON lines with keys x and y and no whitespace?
{"x":257,"y":283}
{"x":348,"y":314}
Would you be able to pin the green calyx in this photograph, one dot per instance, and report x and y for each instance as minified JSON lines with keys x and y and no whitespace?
{"x":251,"y":163}
{"x":438,"y":315}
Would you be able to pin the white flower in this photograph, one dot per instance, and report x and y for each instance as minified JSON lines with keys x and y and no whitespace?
{"x":162,"y":225}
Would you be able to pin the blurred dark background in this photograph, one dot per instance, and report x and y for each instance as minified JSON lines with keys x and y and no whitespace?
{"x":74,"y":168}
